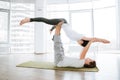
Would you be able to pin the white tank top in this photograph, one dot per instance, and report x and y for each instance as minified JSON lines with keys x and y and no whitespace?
{"x":71,"y":33}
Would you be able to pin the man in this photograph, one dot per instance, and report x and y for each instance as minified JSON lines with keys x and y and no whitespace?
{"x":63,"y":61}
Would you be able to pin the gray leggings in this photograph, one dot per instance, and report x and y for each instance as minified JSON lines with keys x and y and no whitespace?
{"x":58,"y":49}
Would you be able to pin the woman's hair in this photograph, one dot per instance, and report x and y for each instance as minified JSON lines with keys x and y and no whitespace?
{"x":90,"y":65}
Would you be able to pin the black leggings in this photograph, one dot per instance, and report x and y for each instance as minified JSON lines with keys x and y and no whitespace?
{"x":47,"y":21}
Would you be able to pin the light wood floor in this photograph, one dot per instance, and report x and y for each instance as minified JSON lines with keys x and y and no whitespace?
{"x":108,"y":64}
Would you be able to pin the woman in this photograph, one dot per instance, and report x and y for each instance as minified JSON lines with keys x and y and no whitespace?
{"x":81,"y":39}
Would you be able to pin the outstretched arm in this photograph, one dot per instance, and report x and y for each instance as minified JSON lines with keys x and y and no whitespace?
{"x":85,"y":50}
{"x":96,"y":39}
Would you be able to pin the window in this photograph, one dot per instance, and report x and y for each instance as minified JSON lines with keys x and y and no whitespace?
{"x":97,"y":19}
{"x":81,"y":22}
{"x":4,"y":15}
{"x":3,"y":27}
{"x":4,"y":4}
{"x":105,"y":25}
{"x":21,"y":37}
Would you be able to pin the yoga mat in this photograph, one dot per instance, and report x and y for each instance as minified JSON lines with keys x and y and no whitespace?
{"x":51,"y":66}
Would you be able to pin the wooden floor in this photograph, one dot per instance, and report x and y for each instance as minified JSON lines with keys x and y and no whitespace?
{"x":108,"y":64}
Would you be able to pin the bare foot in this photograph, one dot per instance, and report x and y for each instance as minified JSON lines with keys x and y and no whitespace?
{"x":25,"y":20}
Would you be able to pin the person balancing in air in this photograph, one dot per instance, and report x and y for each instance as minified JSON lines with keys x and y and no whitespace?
{"x":71,"y":34}
{"x":60,"y":59}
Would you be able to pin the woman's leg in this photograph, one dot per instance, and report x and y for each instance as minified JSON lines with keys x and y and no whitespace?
{"x":41,"y":19}
{"x":45,"y":20}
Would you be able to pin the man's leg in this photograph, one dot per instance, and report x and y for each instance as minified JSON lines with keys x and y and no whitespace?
{"x":58,"y":47}
{"x":60,"y":59}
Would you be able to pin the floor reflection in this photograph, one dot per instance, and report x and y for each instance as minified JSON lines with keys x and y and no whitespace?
{"x":70,"y":75}
{"x":108,"y":65}
{"x":118,"y":61}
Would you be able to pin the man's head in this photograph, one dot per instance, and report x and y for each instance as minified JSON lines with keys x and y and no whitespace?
{"x":89,"y":63}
